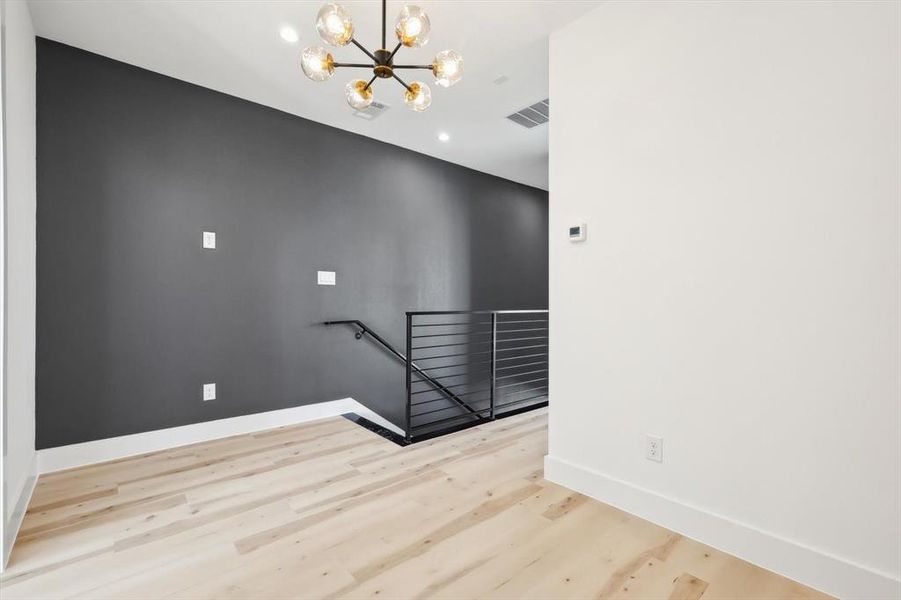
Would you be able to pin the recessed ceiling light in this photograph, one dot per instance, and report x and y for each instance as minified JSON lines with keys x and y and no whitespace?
{"x":289,"y":34}
{"x":443,"y":136}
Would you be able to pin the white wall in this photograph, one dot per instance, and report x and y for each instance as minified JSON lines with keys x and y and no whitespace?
{"x":19,"y":464}
{"x":739,"y":294}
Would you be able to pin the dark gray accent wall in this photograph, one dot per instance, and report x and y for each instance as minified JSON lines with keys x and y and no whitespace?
{"x":133,"y":316}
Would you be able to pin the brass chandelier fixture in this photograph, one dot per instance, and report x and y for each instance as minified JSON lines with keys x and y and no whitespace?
{"x":412,"y":27}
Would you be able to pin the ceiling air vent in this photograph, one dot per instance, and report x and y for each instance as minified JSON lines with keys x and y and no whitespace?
{"x":373,"y":111}
{"x":532,"y":116}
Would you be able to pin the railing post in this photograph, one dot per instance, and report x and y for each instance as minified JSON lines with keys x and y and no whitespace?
{"x":493,"y":358}
{"x":409,"y":366}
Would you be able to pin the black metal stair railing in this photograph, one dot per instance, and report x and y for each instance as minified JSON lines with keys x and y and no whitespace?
{"x":495,"y":361}
{"x":467,"y":367}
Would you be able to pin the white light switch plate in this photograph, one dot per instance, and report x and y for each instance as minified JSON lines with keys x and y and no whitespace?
{"x":209,"y":391}
{"x":209,"y":240}
{"x":325,"y":277}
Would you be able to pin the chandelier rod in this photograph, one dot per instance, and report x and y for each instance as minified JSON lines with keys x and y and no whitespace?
{"x":369,"y":66}
{"x":374,"y":77}
{"x":363,"y":48}
{"x":402,"y":82}
{"x":385,"y":26}
{"x":393,"y":52}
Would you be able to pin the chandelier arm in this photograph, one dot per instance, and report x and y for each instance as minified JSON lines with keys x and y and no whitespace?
{"x":363,"y":48}
{"x":393,"y":52}
{"x":374,"y":77}
{"x":354,"y":65}
{"x":402,"y":82}
{"x":429,"y":67}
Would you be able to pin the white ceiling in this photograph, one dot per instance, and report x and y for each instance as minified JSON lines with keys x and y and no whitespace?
{"x":235,"y":47}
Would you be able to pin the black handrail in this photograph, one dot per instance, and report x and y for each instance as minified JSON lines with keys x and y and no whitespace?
{"x":365,"y":329}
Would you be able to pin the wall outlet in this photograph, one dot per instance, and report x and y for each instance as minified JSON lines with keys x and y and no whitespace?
{"x":209,"y":391}
{"x":209,"y":240}
{"x":654,"y":448}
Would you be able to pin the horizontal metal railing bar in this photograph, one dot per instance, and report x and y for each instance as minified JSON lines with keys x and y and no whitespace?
{"x":480,"y":413}
{"x":482,"y":391}
{"x":464,"y":343}
{"x":454,"y":334}
{"x":479,"y":375}
{"x":477,"y":413}
{"x":502,"y":406}
{"x":521,"y":382}
{"x":476,"y":373}
{"x":523,"y":356}
{"x":521,"y":348}
{"x":523,"y":321}
{"x":431,"y":412}
{"x":524,"y":339}
{"x":415,"y":325}
{"x":451,"y":355}
{"x":432,"y":400}
{"x":526,"y":391}
{"x":471,"y":392}
{"x":431,"y":335}
{"x":499,"y":339}
{"x":522,"y":330}
{"x":523,"y":373}
{"x":466,"y":395}
{"x":415,"y":393}
{"x":537,"y":362}
{"x":437,"y":410}
{"x":424,"y":381}
{"x":450,"y":387}
{"x":481,"y":368}
{"x":463,"y":364}
{"x":475,"y":312}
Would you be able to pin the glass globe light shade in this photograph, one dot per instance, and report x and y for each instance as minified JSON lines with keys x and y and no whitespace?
{"x":447,"y":68}
{"x":334,"y":25}
{"x":412,"y":27}
{"x":358,"y":95}
{"x":317,"y":63}
{"x":418,"y":97}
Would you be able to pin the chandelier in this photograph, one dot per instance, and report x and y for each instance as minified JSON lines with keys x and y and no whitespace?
{"x":412,"y":27}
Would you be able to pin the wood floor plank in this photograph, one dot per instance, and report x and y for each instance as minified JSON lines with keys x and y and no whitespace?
{"x":688,"y":587}
{"x":331,"y":510}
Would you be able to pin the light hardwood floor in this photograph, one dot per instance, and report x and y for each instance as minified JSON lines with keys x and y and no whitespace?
{"x":331,"y":510}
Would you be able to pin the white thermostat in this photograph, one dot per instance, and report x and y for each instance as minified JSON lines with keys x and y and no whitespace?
{"x":577,"y":233}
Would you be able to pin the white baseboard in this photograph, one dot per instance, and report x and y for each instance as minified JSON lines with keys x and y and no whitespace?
{"x":78,"y":455}
{"x":815,"y":568}
{"x":11,"y":527}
